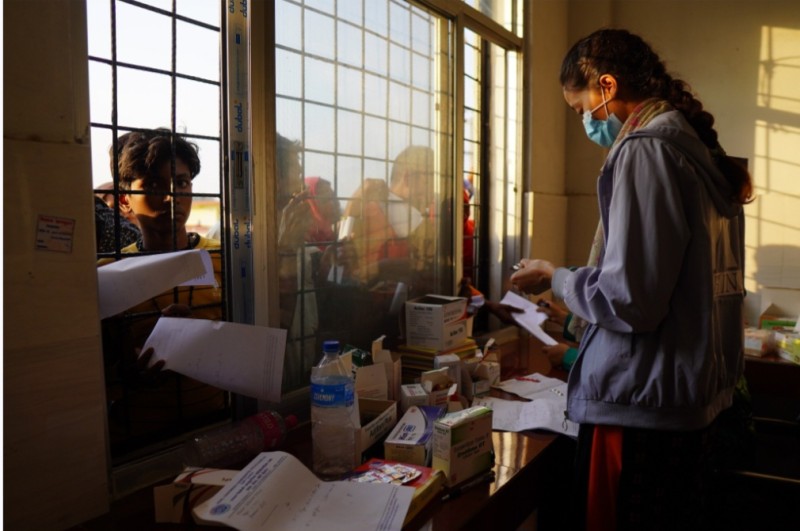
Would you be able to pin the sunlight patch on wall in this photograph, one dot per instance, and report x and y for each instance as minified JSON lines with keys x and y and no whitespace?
{"x":779,"y":69}
{"x":773,"y":225}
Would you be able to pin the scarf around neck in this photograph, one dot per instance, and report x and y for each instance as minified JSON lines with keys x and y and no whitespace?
{"x":642,"y":115}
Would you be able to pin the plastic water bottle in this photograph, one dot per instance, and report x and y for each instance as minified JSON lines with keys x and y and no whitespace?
{"x":334,"y":415}
{"x":237,"y":444}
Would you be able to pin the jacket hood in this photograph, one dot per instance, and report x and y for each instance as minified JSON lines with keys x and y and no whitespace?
{"x":672,"y":127}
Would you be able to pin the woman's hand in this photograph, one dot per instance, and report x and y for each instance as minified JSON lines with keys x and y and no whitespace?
{"x":533,"y":276}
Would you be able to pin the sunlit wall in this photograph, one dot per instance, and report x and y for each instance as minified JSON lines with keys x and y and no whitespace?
{"x":742,"y":60}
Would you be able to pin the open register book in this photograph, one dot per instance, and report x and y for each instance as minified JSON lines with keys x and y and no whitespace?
{"x":276,"y":491}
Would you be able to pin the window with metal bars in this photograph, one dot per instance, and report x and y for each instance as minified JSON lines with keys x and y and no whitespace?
{"x":157,"y":116}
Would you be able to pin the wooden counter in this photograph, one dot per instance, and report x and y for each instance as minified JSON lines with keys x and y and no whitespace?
{"x":532,"y":472}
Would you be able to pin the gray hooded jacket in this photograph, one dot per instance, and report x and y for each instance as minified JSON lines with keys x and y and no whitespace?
{"x":664,"y":349}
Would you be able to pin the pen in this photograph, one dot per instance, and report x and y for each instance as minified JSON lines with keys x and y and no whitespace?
{"x":455,"y":492}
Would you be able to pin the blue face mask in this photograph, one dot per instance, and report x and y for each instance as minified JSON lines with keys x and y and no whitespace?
{"x":602,"y":132}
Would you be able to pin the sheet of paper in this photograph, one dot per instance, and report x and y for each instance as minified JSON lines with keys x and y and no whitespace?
{"x":528,"y":386}
{"x":544,"y":413}
{"x":125,"y":283}
{"x":276,"y":491}
{"x":530,"y":319}
{"x":240,"y":358}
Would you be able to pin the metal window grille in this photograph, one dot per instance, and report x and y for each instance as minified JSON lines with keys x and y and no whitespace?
{"x":135,"y":433}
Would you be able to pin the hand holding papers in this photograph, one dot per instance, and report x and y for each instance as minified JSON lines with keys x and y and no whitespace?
{"x":275,"y":491}
{"x":530,"y":319}
{"x":240,"y":358}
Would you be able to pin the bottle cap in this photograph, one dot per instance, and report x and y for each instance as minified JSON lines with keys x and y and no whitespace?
{"x":331,"y":345}
{"x":290,"y":421}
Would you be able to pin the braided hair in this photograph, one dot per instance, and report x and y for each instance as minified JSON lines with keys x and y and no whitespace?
{"x":641,"y":74}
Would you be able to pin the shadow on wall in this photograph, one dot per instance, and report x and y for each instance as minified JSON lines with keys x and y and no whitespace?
{"x":777,"y":279}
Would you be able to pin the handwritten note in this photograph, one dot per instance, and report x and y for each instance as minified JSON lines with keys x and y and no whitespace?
{"x":240,"y":358}
{"x":276,"y":491}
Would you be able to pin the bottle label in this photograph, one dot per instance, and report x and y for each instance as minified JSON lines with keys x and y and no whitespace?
{"x":270,"y":428}
{"x":331,"y":395}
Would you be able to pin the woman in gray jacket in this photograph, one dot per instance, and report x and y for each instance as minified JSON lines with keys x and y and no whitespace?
{"x":663,"y":351}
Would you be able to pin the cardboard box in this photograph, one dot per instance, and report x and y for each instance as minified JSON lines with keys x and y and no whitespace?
{"x":462,"y":444}
{"x":193,"y":487}
{"x":411,"y":439}
{"x":436,"y":322}
{"x":381,"y":379}
{"x":412,"y":395}
{"x":438,"y":385}
{"x":773,"y":318}
{"x":378,"y":417}
{"x":758,"y":342}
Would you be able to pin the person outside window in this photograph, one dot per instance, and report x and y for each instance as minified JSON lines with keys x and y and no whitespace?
{"x":155,"y":188}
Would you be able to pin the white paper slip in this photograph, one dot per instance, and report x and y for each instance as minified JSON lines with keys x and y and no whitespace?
{"x":530,"y":319}
{"x":240,"y":358}
{"x":276,"y":491}
{"x":540,"y":414}
{"x":125,"y":283}
{"x":528,"y":386}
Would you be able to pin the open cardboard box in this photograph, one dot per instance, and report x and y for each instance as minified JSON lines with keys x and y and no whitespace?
{"x":378,"y":417}
{"x":382,"y":379}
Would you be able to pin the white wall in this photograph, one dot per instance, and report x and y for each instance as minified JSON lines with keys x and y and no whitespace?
{"x":54,"y":445}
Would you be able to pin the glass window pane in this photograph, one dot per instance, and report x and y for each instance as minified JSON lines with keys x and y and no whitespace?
{"x":349,"y":92}
{"x":373,"y":142}
{"x":319,"y":35}
{"x":349,"y":132}
{"x":351,"y":11}
{"x":289,"y":81}
{"x":505,"y":12}
{"x":320,"y":79}
{"x":376,"y":87}
{"x":197,"y":107}
{"x":319,"y":127}
{"x":286,"y":33}
{"x":349,"y":42}
{"x":375,"y":54}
